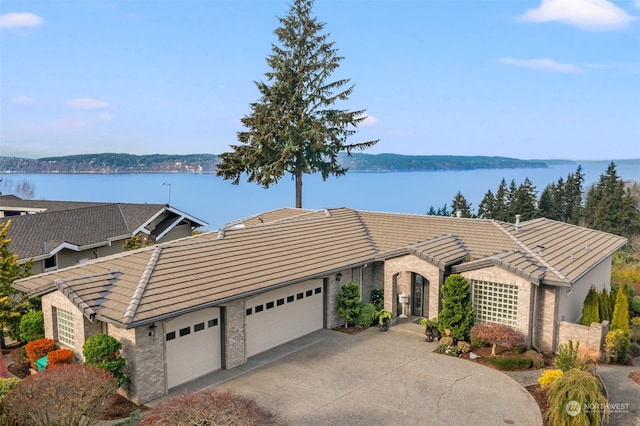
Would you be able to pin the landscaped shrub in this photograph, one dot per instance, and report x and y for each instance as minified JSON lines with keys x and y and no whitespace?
{"x":585,"y":390}
{"x":617,"y":344}
{"x":348,"y":302}
{"x":59,"y":357}
{"x":73,"y":394}
{"x":377,"y":298}
{"x":635,"y":305}
{"x":457,"y":313}
{"x":586,"y":357}
{"x":497,"y":335}
{"x":209,"y":407}
{"x":38,"y":348}
{"x":446,"y":341}
{"x":537,"y":359}
{"x":103,"y":351}
{"x":464,"y":347}
{"x":509,"y":362}
{"x":604,"y":305}
{"x":620,"y":319}
{"x":366,"y":314}
{"x":6,"y":385}
{"x":567,"y":356}
{"x":31,"y":326}
{"x":590,"y":308}
{"x":549,"y":376}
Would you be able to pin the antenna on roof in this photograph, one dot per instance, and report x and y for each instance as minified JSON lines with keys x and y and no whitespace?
{"x":163,"y":184}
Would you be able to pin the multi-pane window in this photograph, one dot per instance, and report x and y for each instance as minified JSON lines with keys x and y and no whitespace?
{"x":495,"y":302}
{"x":66,"y":334}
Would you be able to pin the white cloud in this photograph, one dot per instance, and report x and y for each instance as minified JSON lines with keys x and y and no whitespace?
{"x":22,"y":100}
{"x":541,"y":65}
{"x":26,"y":19}
{"x":590,"y":15}
{"x":105,"y":116}
{"x":370,"y":120}
{"x":86,"y":103}
{"x":637,"y":4}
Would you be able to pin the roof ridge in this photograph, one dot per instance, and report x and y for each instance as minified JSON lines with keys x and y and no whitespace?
{"x":64,"y":288}
{"x":367,"y":234}
{"x":529,"y":251}
{"x":141,"y":287}
{"x":124,"y":217}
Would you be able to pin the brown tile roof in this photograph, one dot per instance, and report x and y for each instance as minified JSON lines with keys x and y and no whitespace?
{"x":245,"y":258}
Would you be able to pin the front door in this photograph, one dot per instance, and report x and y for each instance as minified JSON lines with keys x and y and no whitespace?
{"x":419,"y":286}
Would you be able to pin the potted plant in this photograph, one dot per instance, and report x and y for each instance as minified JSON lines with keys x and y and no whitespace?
{"x":430,"y":327}
{"x":383,"y":319}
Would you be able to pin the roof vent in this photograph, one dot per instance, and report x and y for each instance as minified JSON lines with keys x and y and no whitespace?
{"x":327,"y":213}
{"x":517,"y":223}
{"x":220,"y":234}
{"x":458,"y":213}
{"x":539,"y":248}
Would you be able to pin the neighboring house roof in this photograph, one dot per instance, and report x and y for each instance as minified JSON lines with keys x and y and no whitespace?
{"x":168,"y":279}
{"x":50,"y":226}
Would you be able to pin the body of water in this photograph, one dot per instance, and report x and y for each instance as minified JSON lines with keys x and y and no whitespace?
{"x":216,"y":201}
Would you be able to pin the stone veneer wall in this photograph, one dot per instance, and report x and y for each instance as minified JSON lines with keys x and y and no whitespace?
{"x":545,"y":318}
{"x":333,"y":289}
{"x":234,"y":335}
{"x":590,"y":337}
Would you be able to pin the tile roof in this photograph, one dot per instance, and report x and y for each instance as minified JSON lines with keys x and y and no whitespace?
{"x":250,"y":256}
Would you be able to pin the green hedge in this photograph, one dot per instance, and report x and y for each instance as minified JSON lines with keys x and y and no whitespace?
{"x":510,"y":362}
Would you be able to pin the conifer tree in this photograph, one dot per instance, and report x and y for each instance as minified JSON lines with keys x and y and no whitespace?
{"x":487,"y":206}
{"x":294,"y":127}
{"x":604,"y":305}
{"x":611,"y":208}
{"x":457,"y":312}
{"x":460,"y":204}
{"x":620,"y":319}
{"x":590,"y":308}
{"x":13,"y":303}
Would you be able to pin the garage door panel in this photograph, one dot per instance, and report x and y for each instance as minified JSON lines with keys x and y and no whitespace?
{"x":284,"y":314}
{"x":193,"y":346}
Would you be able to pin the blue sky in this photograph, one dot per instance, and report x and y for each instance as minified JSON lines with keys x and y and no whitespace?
{"x":526,"y":79}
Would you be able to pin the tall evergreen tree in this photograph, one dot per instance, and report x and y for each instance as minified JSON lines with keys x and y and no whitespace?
{"x":611,"y":208}
{"x":524,"y":201}
{"x":620,"y":318}
{"x":13,"y":303}
{"x":294,"y":127}
{"x":460,"y":204}
{"x":487,"y":206}
{"x":572,"y":206}
{"x":590,"y":308}
{"x":501,"y":210}
{"x":457,"y":312}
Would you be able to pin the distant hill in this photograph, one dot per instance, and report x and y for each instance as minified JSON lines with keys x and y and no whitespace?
{"x":206,"y":163}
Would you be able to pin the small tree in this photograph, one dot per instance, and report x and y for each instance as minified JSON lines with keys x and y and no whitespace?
{"x":457,"y":313}
{"x":620,"y":320}
{"x":497,"y":335}
{"x":590,"y":308}
{"x":209,"y":407}
{"x":567,"y":356}
{"x":32,"y":326}
{"x":103,"y":351}
{"x":348,"y":301}
{"x":72,"y":394}
{"x":604,"y":305}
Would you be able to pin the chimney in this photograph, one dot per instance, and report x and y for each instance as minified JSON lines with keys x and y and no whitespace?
{"x":517,"y":223}
{"x":458,"y":213}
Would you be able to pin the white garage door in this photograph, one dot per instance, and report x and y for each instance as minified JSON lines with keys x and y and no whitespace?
{"x":193,"y":345}
{"x":281,"y":315}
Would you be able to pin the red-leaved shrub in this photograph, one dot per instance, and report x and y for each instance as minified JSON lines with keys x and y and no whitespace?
{"x":59,"y":357}
{"x":38,"y":348}
{"x":497,"y":335}
{"x":209,"y":407}
{"x":72,"y":394}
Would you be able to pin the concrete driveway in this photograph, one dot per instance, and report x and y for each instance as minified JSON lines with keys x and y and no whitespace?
{"x":375,"y":378}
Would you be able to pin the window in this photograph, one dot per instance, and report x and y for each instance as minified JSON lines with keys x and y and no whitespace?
{"x":309,"y":293}
{"x":249,"y":311}
{"x":299,"y":296}
{"x":259,"y":308}
{"x":289,"y":299}
{"x":171,"y":335}
{"x":495,"y":302}
{"x":269,"y":305}
{"x":51,"y":263}
{"x":280,"y":302}
{"x":185,"y":331}
{"x":318,"y":290}
{"x":198,"y":327}
{"x":212,"y":322}
{"x":65,"y":324}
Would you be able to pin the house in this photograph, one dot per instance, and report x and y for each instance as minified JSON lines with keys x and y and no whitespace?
{"x":57,"y":234}
{"x":189,"y":307}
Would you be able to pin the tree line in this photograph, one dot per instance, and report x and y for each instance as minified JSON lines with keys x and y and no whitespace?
{"x":609,"y":205}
